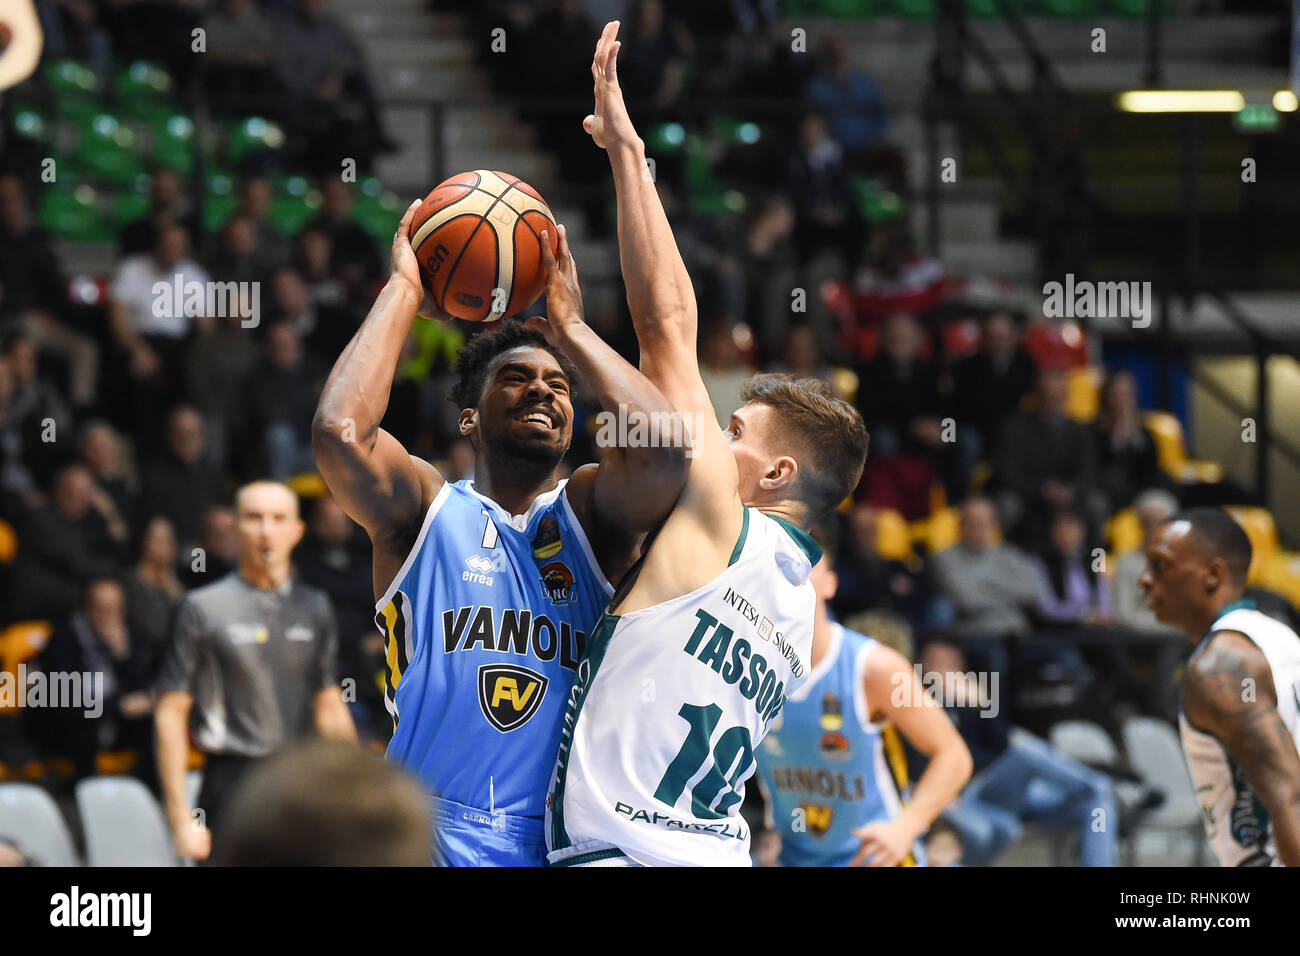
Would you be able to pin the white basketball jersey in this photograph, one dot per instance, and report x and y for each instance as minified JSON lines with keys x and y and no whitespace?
{"x":671,"y":703}
{"x":1236,"y":823}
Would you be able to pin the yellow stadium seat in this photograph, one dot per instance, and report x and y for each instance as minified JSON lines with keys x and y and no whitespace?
{"x":308,"y":485}
{"x":112,"y":762}
{"x":197,"y":760}
{"x":938,"y":532}
{"x":845,"y":383}
{"x":8,"y":542}
{"x":1262,"y":531}
{"x":1083,"y":400}
{"x":21,"y":642}
{"x":1281,"y":575}
{"x":1171,"y":450}
{"x":893,"y":542}
{"x":1124,"y":531}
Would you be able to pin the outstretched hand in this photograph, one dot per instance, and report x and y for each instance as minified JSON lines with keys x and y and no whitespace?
{"x":563,"y":295}
{"x":609,"y":125}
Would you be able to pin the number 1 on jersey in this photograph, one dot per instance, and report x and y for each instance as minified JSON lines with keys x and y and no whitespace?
{"x":489,"y":532}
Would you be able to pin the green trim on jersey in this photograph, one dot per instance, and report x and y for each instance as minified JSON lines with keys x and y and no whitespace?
{"x":584,"y":858}
{"x":596,"y":646}
{"x":740,"y":542}
{"x":802,"y":538}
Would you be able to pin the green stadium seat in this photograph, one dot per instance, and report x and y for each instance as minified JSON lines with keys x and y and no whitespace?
{"x":70,"y":78}
{"x":735,"y":131}
{"x":72,"y":214}
{"x":984,"y":9}
{"x":666,"y":139}
{"x":1068,"y":9}
{"x":30,"y":123}
{"x":109,"y":149}
{"x":251,"y":136}
{"x":846,"y":9}
{"x":216,"y":210}
{"x":876,"y":203}
{"x":914,"y":9}
{"x":1137,"y":8}
{"x":174,"y":142}
{"x":290,"y":213}
{"x":128,"y":207}
{"x":378,"y":216}
{"x":143,"y":83}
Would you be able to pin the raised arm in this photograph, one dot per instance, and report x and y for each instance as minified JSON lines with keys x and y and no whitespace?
{"x":661,"y":298}
{"x":1215,"y":699}
{"x":635,"y":484}
{"x":372,"y":476}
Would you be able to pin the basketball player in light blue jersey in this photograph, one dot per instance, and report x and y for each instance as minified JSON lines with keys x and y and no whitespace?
{"x":833,"y":768}
{"x":489,"y":588}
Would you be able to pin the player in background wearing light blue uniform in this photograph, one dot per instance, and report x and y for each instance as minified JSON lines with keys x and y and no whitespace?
{"x":832,"y":768}
{"x":488,"y":588}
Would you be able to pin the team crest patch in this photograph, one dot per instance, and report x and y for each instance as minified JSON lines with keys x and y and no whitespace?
{"x":557,"y":582}
{"x":832,"y":713}
{"x":834,"y":745}
{"x":547,"y":542}
{"x":509,"y":694}
{"x":817,"y":817}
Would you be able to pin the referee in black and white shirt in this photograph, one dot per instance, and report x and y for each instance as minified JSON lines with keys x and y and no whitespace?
{"x":252,"y":662}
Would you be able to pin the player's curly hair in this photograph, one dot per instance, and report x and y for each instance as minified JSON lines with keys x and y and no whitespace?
{"x":476,"y":355}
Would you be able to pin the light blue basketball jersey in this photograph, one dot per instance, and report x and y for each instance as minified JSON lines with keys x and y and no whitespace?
{"x":485,"y":624}
{"x":825,"y":768}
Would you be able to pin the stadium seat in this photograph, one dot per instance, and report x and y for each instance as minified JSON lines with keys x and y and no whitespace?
{"x":1084,"y":741}
{"x":893,"y":541}
{"x":173,"y":141}
{"x":123,"y":823}
{"x":70,"y":79}
{"x":109,"y":763}
{"x":308,"y":485}
{"x":378,"y":216}
{"x":1068,"y":9}
{"x":109,"y":149}
{"x":1171,"y":450}
{"x":252,"y":136}
{"x":128,"y":207}
{"x":938,"y":532}
{"x":1084,"y":399}
{"x":1156,"y":753}
{"x":666,"y":139}
{"x":141,"y":83}
{"x":30,"y":819}
{"x":290,"y":213}
{"x":1281,"y":575}
{"x":8,"y":542}
{"x":1262,"y":531}
{"x":1124,"y":531}
{"x":30,"y":123}
{"x":72,"y":214}
{"x":21,"y":641}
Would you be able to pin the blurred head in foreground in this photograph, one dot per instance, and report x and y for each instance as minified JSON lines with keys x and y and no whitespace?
{"x":327,"y":803}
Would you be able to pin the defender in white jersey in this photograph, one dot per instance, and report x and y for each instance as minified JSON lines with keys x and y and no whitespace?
{"x":712,"y":628}
{"x":1240,"y":720}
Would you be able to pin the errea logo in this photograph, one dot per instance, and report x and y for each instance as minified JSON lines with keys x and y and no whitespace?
{"x":481,"y":567}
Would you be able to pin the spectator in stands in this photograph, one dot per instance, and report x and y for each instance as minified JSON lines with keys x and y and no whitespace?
{"x":216,"y":552}
{"x":330,"y":96}
{"x":153,"y":593}
{"x":101,"y":451}
{"x":373,"y":812}
{"x":894,"y":277}
{"x":329,"y":559}
{"x":312,"y":259}
{"x":151,"y":328}
{"x":992,"y":587}
{"x":855,"y":113}
{"x":237,"y":257}
{"x":756,"y":273}
{"x":255,"y":204}
{"x":1045,"y":461}
{"x":280,"y":399}
{"x":869,"y":581}
{"x":802,"y":357}
{"x":219,"y":360}
{"x":30,"y":275}
{"x":1074,"y":592}
{"x":1153,"y":506}
{"x":168,"y":204}
{"x":826,"y":210}
{"x":324,"y":329}
{"x":1018,"y":777}
{"x":15,"y":477}
{"x":181,"y":484}
{"x":77,"y":537}
{"x":353,"y":256}
{"x":1125,"y":450}
{"x":240,"y":78}
{"x":71,"y":28}
{"x":988,"y":387}
{"x":653,"y":59}
{"x":95,"y":642}
{"x":37,"y":407}
{"x":723,"y":369}
{"x":263,"y":700}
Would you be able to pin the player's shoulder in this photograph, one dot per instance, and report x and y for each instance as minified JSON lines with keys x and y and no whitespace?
{"x":1226,"y":674}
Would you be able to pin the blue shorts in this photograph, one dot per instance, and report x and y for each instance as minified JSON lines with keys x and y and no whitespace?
{"x":468,"y":836}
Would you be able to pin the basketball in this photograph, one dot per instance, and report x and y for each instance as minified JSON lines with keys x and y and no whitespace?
{"x":478,"y":239}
